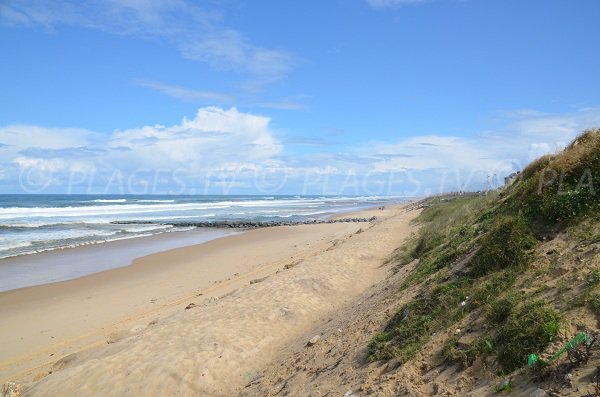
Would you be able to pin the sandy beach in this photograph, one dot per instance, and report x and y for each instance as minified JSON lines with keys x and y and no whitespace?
{"x":198,"y":320}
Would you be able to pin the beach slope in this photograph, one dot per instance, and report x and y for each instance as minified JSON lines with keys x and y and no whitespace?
{"x":214,"y":343}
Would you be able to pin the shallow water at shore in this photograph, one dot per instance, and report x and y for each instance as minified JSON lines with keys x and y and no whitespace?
{"x":69,"y":263}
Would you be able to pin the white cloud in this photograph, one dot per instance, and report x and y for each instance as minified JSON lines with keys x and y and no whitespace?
{"x":431,"y":152}
{"x":227,"y":49}
{"x":554,"y":127}
{"x":141,"y":17}
{"x":54,"y":165}
{"x":213,"y":138}
{"x":198,"y":32}
{"x":380,"y":4}
{"x":236,"y":150}
{"x":23,"y":136}
{"x":537,"y":150}
{"x":536,"y":133}
{"x":187,"y":94}
{"x":459,"y":161}
{"x":219,"y":98}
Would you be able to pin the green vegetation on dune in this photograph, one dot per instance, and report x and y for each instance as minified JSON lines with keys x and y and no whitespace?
{"x":412,"y":326}
{"x":507,"y":244}
{"x":529,"y":328}
{"x":558,"y":190}
{"x":590,"y":295}
{"x":473,"y":249}
{"x":449,"y":229}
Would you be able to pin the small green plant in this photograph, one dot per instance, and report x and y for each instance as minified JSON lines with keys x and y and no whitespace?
{"x":499,"y":311}
{"x":528,"y":329}
{"x":504,"y":387}
{"x":507,"y":244}
{"x":455,"y":351}
{"x":493,"y":285}
{"x":413,"y":325}
{"x":535,"y":167}
{"x":589,"y":297}
{"x":593,"y":278}
{"x":594,"y":303}
{"x":430,"y":264}
{"x":378,"y":349}
{"x":448,"y":231}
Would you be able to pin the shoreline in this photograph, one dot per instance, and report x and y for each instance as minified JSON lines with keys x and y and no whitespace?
{"x":47,"y":267}
{"x":54,"y":320}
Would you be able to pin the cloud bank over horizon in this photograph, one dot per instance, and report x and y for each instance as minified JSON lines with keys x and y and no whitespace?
{"x":227,"y":151}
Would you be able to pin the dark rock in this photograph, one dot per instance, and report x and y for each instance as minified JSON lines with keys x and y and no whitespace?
{"x":245,"y":224}
{"x":258,"y":280}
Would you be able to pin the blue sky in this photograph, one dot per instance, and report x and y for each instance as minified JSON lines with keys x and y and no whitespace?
{"x":316,"y":97}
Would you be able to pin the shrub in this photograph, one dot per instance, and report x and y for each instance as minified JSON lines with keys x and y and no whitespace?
{"x":594,"y":303}
{"x":562,"y":188}
{"x":528,"y":329}
{"x":378,"y":347}
{"x":490,"y":287}
{"x":455,"y":351}
{"x":507,"y":244}
{"x":593,"y":278}
{"x":535,"y":167}
{"x":499,"y":311}
{"x":413,"y":325}
{"x":448,"y":231}
{"x":588,"y":296}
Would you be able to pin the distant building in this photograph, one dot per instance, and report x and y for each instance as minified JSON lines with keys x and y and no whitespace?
{"x":511,"y":178}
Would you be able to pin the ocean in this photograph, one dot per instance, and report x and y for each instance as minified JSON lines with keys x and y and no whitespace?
{"x":32,"y":224}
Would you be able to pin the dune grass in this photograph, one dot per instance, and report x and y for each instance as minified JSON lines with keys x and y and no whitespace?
{"x":478,"y":246}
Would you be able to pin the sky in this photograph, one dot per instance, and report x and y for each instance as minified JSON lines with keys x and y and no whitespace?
{"x":343,"y":97}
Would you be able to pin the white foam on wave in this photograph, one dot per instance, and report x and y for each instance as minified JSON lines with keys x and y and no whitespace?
{"x":8,"y":245}
{"x":311,"y":213}
{"x":155,"y":201}
{"x":40,"y":212}
{"x":146,"y":228}
{"x":34,"y":224}
{"x":137,"y":208}
{"x":71,"y":234}
{"x":181,"y":229}
{"x":39,"y":229}
{"x":67,"y":246}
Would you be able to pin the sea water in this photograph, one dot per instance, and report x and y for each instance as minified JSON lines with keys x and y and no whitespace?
{"x":31,"y":224}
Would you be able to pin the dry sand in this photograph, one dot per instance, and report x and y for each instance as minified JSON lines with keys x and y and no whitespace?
{"x":156,"y":347}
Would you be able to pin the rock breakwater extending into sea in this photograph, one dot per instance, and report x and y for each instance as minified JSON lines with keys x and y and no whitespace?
{"x":246,"y":224}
